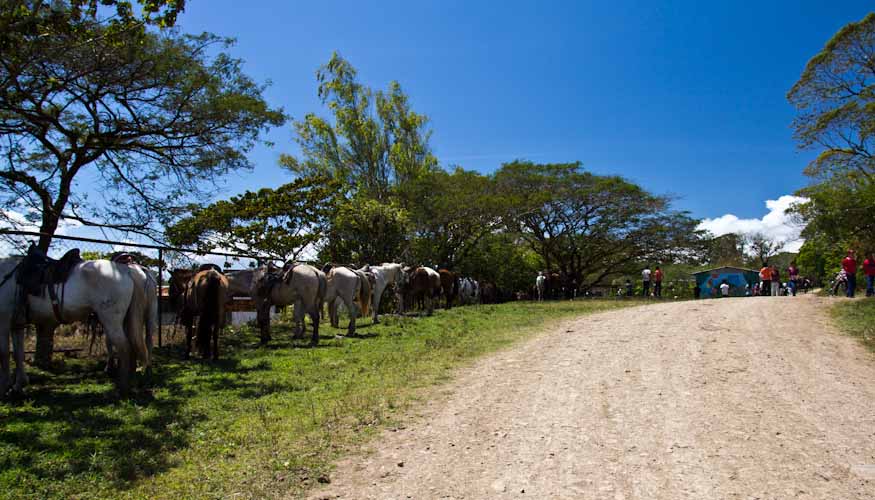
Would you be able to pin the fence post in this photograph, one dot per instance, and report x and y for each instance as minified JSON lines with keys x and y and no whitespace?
{"x":160,"y":290}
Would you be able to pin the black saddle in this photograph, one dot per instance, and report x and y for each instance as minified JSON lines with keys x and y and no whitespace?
{"x":38,"y":270}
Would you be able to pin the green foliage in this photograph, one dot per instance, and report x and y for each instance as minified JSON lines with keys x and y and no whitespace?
{"x":375,"y":142}
{"x":277,"y":223}
{"x":725,"y":250}
{"x":261,"y":423}
{"x":835,"y":102}
{"x":503,"y":259}
{"x":150,"y":119}
{"x":364,"y":230}
{"x":590,"y":227}
{"x":451,"y":212}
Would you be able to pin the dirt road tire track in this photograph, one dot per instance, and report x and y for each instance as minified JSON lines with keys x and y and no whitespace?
{"x":707,"y":399}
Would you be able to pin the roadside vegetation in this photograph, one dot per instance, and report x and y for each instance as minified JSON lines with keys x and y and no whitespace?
{"x":855,"y":317}
{"x":259,"y":423}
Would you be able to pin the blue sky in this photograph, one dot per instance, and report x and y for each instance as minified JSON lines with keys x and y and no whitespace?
{"x":686,"y":99}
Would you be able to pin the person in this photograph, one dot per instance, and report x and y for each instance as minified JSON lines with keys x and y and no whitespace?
{"x":697,"y":292}
{"x":776,"y":281}
{"x":724,"y":289}
{"x":765,"y":280}
{"x":629,"y":291}
{"x":645,"y":277}
{"x":793,"y":273}
{"x":657,"y":282}
{"x":849,"y":264}
{"x":869,"y":271}
{"x":747,"y":290}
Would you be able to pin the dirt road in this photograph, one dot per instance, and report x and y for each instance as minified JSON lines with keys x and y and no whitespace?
{"x":735,"y":398}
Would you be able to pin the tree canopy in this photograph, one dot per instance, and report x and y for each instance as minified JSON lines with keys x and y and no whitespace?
{"x":374,"y":142}
{"x":590,"y":227}
{"x":150,"y":119}
{"x":835,"y":104}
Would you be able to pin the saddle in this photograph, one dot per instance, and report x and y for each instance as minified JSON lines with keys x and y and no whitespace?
{"x":37,"y":270}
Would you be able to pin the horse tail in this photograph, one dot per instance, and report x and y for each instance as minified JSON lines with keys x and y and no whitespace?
{"x":135,"y":333}
{"x":364,"y":294}
{"x":210,"y":309}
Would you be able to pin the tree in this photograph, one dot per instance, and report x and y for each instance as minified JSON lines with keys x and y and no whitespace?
{"x":590,"y":227}
{"x":725,"y":250}
{"x":451,"y":212}
{"x":835,"y":102}
{"x":364,"y":230}
{"x":762,"y":248}
{"x":275,"y":223}
{"x":149,"y":119}
{"x":375,"y":143}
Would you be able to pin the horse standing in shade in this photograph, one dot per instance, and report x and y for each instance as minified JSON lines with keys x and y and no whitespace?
{"x":97,"y":286}
{"x":541,"y":285}
{"x":384,"y":275}
{"x":469,"y":291}
{"x":353,"y":288}
{"x":300,"y":284}
{"x":449,"y":286}
{"x":202,"y":295}
{"x":422,"y":283}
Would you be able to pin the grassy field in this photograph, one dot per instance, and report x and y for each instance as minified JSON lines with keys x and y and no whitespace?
{"x":262,"y":422}
{"x":857,"y":318}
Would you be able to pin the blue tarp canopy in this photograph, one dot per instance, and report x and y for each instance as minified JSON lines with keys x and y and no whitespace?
{"x":709,"y":281}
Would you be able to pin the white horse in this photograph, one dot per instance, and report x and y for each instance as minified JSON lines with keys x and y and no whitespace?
{"x":541,"y":285}
{"x":469,"y":291}
{"x":385,"y":274}
{"x":100,"y":286}
{"x":300,"y":284}
{"x":353,"y":288}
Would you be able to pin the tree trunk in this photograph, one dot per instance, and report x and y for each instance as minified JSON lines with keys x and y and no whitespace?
{"x":45,"y":336}
{"x":45,"y":345}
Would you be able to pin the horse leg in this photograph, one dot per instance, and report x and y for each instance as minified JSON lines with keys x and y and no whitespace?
{"x":262,"y":317}
{"x":378,"y":294}
{"x":18,"y":350}
{"x":332,"y":313}
{"x":4,"y":358}
{"x":123,"y":348}
{"x":315,"y":311}
{"x":298,"y":318}
{"x":189,"y":333}
{"x":353,"y":310}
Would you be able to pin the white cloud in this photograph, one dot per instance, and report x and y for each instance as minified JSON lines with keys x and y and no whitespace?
{"x":775,"y":224}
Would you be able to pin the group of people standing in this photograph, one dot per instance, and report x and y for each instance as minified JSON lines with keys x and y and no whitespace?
{"x":770,"y":280}
{"x":647,"y":277}
{"x":849,"y":268}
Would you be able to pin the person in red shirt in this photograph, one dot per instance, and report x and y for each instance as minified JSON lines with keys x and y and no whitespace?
{"x":869,"y":271}
{"x":657,"y":282}
{"x":849,"y":264}
{"x":765,"y":280}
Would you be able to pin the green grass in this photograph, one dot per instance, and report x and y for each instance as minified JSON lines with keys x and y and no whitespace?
{"x":857,"y":318}
{"x":261,"y":422}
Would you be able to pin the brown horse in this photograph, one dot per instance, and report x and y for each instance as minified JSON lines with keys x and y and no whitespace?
{"x":489,"y":294}
{"x":449,"y":286}
{"x":421,"y":283}
{"x":202,"y":294}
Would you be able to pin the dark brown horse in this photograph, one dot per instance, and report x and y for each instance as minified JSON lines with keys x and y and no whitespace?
{"x":421,"y":283}
{"x":449,"y":286}
{"x":201,"y":294}
{"x":489,"y":294}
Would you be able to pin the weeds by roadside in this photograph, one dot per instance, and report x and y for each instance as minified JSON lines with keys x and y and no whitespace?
{"x":857,"y":318}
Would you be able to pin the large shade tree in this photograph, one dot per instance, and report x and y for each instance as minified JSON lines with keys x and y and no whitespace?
{"x":119,"y":128}
{"x":835,"y":103}
{"x":590,"y":227}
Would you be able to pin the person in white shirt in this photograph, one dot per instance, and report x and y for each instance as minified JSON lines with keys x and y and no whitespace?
{"x":645,"y":276}
{"x":724,"y":289}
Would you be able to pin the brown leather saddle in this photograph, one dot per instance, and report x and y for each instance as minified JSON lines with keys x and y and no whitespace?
{"x":38,"y":272}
